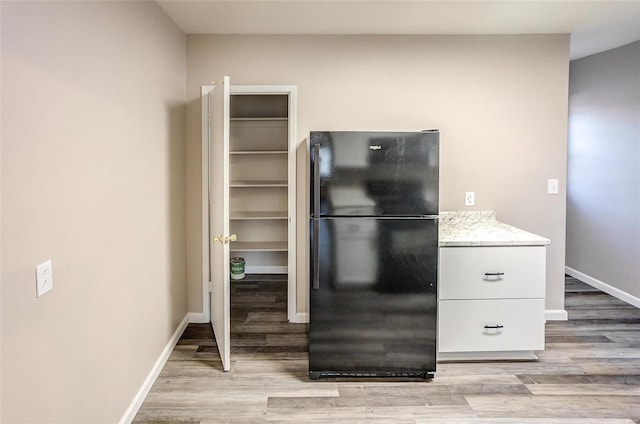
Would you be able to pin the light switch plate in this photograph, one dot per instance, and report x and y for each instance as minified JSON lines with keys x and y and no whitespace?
{"x":44,"y":278}
{"x":552,"y":186}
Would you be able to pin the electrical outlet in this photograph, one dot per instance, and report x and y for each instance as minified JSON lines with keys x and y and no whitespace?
{"x":470,"y":198}
{"x":44,"y":278}
{"x":552,"y":186}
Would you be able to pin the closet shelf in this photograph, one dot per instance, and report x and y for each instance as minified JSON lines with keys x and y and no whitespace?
{"x":258,"y":152}
{"x":258,"y":246}
{"x":259,"y":183}
{"x":284,"y":119}
{"x":259,"y":215}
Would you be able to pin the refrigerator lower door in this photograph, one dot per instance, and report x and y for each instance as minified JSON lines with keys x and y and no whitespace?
{"x":373,"y":304}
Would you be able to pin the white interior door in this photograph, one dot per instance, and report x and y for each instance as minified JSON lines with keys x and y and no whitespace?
{"x":220,"y":296}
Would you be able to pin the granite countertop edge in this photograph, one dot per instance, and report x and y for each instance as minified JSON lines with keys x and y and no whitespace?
{"x":480,"y":228}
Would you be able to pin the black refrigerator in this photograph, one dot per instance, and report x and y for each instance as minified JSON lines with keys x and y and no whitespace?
{"x":373,"y":254}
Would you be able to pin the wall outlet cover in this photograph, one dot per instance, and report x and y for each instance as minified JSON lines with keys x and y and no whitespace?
{"x":44,"y":278}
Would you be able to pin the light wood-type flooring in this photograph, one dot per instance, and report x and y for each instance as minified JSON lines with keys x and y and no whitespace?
{"x":588,"y":374}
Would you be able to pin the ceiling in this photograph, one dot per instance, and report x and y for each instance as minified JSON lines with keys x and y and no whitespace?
{"x":594,"y":26}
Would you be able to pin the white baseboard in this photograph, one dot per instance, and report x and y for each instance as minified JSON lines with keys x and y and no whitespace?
{"x":136,"y":403}
{"x":601,"y":285}
{"x":556,"y":315}
{"x":196,"y":318}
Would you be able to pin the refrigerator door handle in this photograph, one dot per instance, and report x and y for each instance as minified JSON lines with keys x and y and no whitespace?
{"x":316,"y":216}
{"x":316,"y":181}
{"x":316,"y":259}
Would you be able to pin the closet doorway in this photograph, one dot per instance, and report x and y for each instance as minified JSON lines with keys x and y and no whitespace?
{"x":249,"y":134}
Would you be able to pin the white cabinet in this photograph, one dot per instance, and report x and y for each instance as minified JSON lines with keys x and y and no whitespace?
{"x":491,"y":302}
{"x":259,"y":180}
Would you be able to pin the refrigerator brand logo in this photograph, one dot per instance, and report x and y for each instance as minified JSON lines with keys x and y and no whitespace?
{"x":375,"y":147}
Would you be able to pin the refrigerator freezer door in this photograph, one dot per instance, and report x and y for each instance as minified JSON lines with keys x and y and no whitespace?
{"x":375,"y":173}
{"x":374,"y":311}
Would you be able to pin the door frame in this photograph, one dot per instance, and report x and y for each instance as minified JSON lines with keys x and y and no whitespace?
{"x":291,"y":91}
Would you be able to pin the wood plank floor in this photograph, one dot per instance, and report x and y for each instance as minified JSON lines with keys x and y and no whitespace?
{"x":588,"y":374}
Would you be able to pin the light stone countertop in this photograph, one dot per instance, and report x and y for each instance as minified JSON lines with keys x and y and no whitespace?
{"x":480,"y":228}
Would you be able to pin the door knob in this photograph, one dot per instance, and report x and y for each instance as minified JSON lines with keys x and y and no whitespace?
{"x":224,"y":240}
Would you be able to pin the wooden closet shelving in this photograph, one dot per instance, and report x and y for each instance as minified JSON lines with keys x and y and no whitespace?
{"x":258,"y":181}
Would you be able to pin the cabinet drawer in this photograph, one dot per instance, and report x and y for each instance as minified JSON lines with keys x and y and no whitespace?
{"x":461,"y":325}
{"x":469,"y":272}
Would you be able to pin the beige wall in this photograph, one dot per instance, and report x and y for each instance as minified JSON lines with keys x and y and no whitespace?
{"x":93,"y":168}
{"x":500,"y":103}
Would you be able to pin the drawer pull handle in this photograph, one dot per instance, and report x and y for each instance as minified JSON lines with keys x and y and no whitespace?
{"x":493,"y":276}
{"x":494,"y":326}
